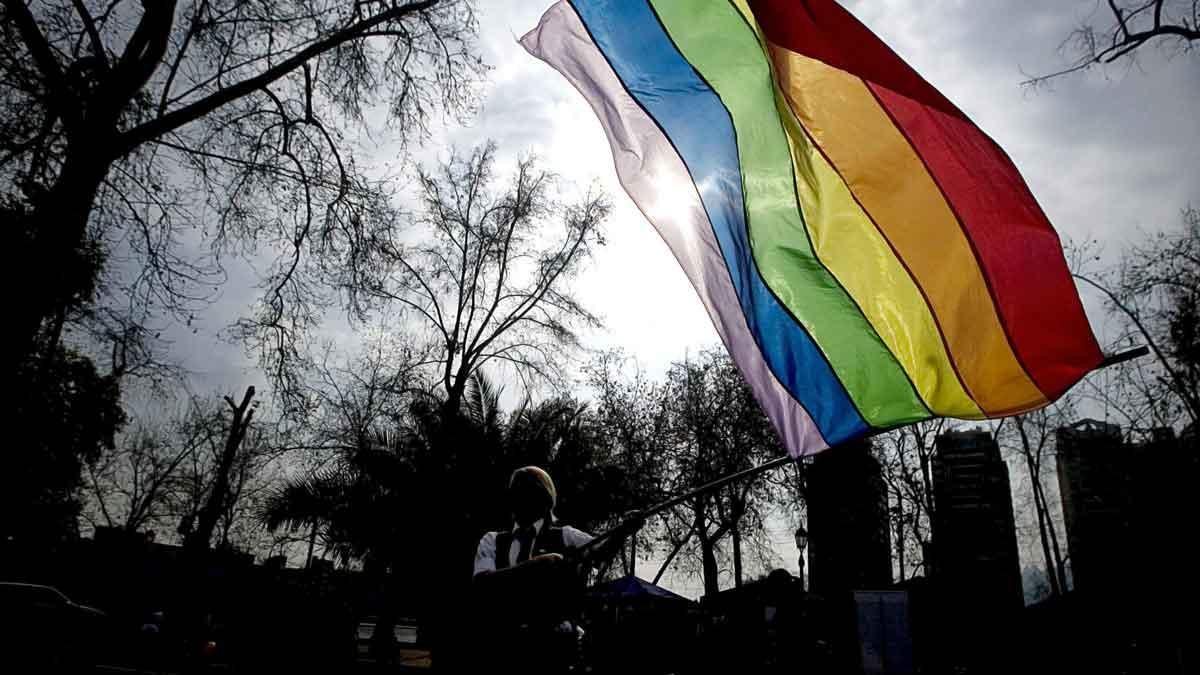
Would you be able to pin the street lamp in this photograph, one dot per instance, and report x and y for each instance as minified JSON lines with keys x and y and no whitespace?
{"x":801,"y":544}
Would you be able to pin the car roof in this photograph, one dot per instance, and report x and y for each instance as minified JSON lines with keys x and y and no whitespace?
{"x":23,"y":589}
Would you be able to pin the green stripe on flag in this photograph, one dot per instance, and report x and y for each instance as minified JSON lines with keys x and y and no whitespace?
{"x":724,"y":50}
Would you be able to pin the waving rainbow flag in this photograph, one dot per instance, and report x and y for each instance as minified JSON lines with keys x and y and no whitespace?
{"x":869,"y":257}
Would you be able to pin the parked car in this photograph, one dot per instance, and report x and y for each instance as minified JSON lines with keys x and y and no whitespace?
{"x":45,"y":631}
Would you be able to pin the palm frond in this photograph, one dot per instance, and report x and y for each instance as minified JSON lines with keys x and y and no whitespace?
{"x":483,"y":401}
{"x":305,"y":502}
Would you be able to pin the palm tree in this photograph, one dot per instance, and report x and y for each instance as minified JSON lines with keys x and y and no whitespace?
{"x":343,"y":504}
{"x":455,"y":466}
{"x":413,"y":501}
{"x":307,"y":503}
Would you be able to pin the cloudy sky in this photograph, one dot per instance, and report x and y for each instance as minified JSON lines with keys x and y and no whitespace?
{"x":1111,"y":154}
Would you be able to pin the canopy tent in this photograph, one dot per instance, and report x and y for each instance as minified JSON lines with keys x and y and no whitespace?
{"x":632,"y":588}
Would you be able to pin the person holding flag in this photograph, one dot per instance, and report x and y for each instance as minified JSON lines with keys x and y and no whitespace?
{"x":527,"y":577}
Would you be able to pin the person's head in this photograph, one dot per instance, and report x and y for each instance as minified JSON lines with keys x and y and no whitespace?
{"x":531,"y":495}
{"x":780,"y":580}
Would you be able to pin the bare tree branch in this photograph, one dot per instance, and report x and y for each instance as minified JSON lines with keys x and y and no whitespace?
{"x":1133,"y":24}
{"x":485,"y":284}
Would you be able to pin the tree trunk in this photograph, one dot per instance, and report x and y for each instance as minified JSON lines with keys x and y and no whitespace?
{"x":674,"y":552}
{"x":312,"y":542}
{"x":215,"y":505}
{"x":735,"y":533}
{"x":1051,"y":574}
{"x":927,"y":481}
{"x":456,"y":390}
{"x":46,"y":260}
{"x":709,"y":556}
{"x":1039,"y":505}
{"x":633,"y":554}
{"x":1055,"y":549}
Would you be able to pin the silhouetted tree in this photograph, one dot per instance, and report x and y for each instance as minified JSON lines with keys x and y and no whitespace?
{"x":1123,"y":28}
{"x":164,"y":469}
{"x":141,"y":141}
{"x":1032,"y":437}
{"x":139,"y":483}
{"x":354,"y":403}
{"x":906,"y":462}
{"x":698,"y":424}
{"x":256,"y":470}
{"x":1152,"y":293}
{"x":223,"y":122}
{"x":221,"y":491}
{"x":490,"y":282}
{"x":62,"y":415}
{"x":350,"y":502}
{"x":634,"y":421}
{"x":351,"y":505}
{"x":412,"y":500}
{"x":206,"y":482}
{"x":716,"y":428}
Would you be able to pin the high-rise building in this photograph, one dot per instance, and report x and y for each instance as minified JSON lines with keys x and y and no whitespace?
{"x":848,"y":537}
{"x":1160,"y":553}
{"x":1095,"y":482}
{"x":974,"y":535}
{"x":1125,"y":507}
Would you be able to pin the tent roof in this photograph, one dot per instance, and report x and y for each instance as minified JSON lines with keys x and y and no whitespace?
{"x":632,"y":587}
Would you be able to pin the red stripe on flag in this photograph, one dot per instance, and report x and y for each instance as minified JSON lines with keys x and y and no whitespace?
{"x":1018,"y":250}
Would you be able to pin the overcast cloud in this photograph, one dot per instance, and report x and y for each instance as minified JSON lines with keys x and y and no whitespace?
{"x":1110,"y":154}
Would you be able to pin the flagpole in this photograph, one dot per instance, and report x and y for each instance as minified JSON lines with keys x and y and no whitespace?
{"x":1122,"y":357}
{"x":675,"y":501}
{"x":1109,"y":360}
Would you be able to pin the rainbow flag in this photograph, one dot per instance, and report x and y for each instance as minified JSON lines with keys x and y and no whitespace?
{"x":869,"y":257}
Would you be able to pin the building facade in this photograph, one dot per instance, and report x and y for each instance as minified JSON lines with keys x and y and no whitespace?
{"x":975,"y":541}
{"x":1125,"y":507}
{"x":849,"y":544}
{"x":1095,"y":483}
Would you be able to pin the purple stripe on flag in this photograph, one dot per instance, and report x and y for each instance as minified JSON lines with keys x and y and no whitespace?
{"x":655,"y":177}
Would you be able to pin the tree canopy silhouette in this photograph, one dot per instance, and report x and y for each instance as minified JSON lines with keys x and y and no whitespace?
{"x":139,"y":133}
{"x":490,"y":284}
{"x":699,"y":424}
{"x":1153,"y":293}
{"x":142,"y":142}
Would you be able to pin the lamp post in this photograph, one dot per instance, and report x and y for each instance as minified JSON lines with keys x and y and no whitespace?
{"x":801,"y":544}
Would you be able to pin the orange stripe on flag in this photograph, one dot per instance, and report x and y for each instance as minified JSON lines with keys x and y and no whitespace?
{"x":892,"y":184}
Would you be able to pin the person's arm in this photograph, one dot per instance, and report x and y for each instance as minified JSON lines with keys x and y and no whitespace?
{"x":522,"y":569}
{"x":489,"y":578}
{"x":485,"y":555}
{"x":595,"y":556}
{"x":518,"y":590}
